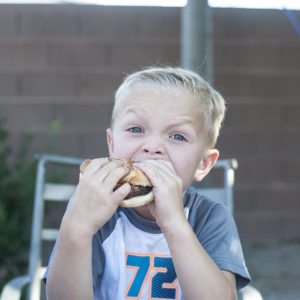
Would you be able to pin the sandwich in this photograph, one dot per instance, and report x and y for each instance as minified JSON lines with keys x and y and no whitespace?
{"x":141,"y":192}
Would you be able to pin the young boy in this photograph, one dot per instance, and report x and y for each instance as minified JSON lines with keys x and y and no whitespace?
{"x":180,"y":246}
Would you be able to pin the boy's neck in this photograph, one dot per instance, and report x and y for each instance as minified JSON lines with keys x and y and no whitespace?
{"x":145,"y":213}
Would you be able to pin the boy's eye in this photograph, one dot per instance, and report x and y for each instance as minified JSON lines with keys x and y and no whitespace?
{"x":135,"y":129}
{"x":178,"y":137}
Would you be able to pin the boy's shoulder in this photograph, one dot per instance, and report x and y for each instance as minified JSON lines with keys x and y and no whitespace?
{"x":195,"y":202}
{"x":204,"y":214}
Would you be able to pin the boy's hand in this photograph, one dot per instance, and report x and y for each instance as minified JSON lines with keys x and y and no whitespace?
{"x":167,"y":207}
{"x":95,"y":201}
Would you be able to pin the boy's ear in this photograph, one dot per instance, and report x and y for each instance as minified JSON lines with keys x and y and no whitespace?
{"x":207,"y":162}
{"x":110,"y":142}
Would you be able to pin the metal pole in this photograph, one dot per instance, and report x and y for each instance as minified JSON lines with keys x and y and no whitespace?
{"x":196,"y":38}
{"x":35,"y":248}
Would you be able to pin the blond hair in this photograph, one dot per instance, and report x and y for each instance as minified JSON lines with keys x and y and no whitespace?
{"x":161,"y":79}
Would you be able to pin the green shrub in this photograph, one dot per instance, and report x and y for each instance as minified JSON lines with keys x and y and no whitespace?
{"x":17,"y":183}
{"x":17,"y":176}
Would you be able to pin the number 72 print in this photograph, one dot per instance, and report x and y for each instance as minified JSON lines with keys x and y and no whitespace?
{"x":157,"y":270}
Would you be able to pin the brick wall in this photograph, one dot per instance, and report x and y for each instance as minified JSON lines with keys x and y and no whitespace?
{"x":64,"y":62}
{"x":257,"y":67}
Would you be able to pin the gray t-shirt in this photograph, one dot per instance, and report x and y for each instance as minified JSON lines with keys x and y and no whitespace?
{"x":131,"y":257}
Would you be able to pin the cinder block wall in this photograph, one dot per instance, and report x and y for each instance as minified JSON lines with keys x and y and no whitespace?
{"x":257,"y":67}
{"x":63,"y":63}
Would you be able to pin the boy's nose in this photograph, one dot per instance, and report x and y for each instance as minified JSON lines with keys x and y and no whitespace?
{"x":153,"y":148}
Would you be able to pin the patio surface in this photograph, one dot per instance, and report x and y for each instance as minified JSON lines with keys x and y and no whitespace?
{"x":275,"y":268}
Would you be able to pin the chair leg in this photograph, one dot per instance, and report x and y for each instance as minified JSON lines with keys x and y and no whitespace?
{"x":13,"y":289}
{"x":250,"y":293}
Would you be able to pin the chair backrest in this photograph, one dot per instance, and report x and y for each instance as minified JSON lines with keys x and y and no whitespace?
{"x":220,"y":184}
{"x":47,"y":191}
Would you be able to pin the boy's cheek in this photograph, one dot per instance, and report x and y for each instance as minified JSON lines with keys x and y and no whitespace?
{"x":120,"y":152}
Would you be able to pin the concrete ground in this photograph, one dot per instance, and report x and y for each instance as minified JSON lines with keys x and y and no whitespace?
{"x":275,"y":268}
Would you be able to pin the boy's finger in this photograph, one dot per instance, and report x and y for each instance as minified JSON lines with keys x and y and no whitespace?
{"x":106,"y":169}
{"x":156,"y":175}
{"x":161,"y":164}
{"x":115,"y":175}
{"x":119,"y":194}
{"x":89,"y":167}
{"x":159,"y":167}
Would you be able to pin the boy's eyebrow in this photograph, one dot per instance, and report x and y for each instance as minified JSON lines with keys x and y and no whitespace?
{"x":183,"y":121}
{"x":179,"y":121}
{"x":137,"y":112}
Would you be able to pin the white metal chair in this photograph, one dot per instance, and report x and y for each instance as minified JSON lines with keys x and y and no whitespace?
{"x":44,"y":191}
{"x":47,"y":191}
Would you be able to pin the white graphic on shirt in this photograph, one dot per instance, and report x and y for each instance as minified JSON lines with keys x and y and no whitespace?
{"x":138,"y":265}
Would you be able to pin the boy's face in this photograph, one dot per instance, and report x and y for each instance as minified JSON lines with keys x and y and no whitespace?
{"x":151,"y":125}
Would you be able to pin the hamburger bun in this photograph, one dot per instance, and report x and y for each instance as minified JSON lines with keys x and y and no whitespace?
{"x":141,"y":188}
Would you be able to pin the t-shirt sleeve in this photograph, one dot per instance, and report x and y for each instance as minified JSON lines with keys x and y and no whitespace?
{"x":218,"y":235}
{"x":97,"y":260}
